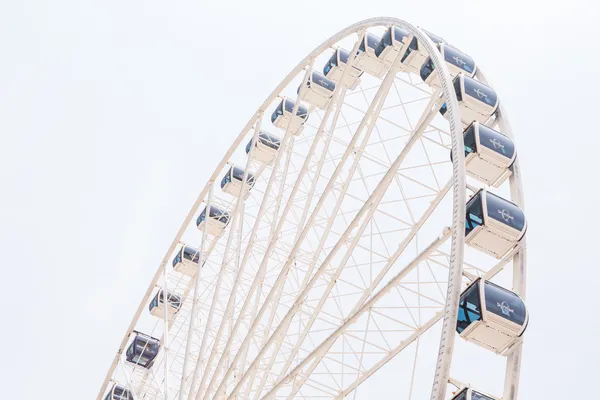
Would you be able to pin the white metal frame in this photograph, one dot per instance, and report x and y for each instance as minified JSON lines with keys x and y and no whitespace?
{"x":238,"y":363}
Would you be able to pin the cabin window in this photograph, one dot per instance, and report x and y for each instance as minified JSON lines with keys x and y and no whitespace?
{"x":269,"y":140}
{"x":411,"y":47}
{"x":427,"y":69}
{"x":480,"y":92}
{"x":474,"y":216}
{"x":469,"y":308}
{"x":385,"y":42}
{"x":505,"y":212}
{"x":458,"y":59}
{"x":191,"y":254}
{"x":278,"y":111}
{"x":504,"y":303}
{"x":457,"y":88}
{"x":372,"y":41}
{"x":496,"y":141}
{"x":478,"y":396}
{"x":461,"y":396}
{"x":469,"y":139}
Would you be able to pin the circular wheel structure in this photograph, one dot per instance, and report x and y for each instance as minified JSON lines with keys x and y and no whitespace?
{"x":339,"y":257}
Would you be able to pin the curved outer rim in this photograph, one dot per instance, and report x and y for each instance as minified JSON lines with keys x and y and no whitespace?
{"x":459,"y":201}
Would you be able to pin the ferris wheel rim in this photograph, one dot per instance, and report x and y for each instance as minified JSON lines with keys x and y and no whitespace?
{"x":458,"y":167}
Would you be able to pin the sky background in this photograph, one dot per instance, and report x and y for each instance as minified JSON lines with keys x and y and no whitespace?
{"x":113,"y":114}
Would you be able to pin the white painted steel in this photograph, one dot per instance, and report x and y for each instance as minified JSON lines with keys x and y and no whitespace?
{"x":290,"y":301}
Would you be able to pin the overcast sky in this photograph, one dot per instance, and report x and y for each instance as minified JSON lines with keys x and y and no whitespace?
{"x":114,"y":113}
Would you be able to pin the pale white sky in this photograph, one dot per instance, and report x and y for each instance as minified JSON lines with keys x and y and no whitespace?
{"x":113,"y":114}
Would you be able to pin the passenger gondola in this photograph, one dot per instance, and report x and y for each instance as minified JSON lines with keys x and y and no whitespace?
{"x":334,"y":70}
{"x":493,"y":225}
{"x":283,"y":114}
{"x":217,"y":221}
{"x":470,"y":394}
{"x":232,"y":182}
{"x":491,"y":316}
{"x":456,"y":61}
{"x":266,"y":147}
{"x":489,"y":155}
{"x":414,"y":59}
{"x":186,"y":260}
{"x":366,"y":59}
{"x":119,"y":392}
{"x":143,"y":350}
{"x":392,"y":42}
{"x":157,"y":305}
{"x":477,"y":101}
{"x":318,"y":90}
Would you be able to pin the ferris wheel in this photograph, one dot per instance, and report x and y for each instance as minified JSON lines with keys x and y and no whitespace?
{"x":363,"y":236}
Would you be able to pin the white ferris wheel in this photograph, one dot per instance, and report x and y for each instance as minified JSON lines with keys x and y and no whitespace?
{"x":363,"y":236}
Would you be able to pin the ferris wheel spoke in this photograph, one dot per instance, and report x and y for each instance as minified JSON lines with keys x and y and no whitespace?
{"x":316,"y":356}
{"x":364,"y":215}
{"x":366,"y":125}
{"x":273,"y":240}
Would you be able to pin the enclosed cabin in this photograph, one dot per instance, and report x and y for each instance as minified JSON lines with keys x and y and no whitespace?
{"x":391,"y":44}
{"x":157,"y":305}
{"x":216,"y":222}
{"x":493,"y":225}
{"x":318,"y":90}
{"x":335,"y":67}
{"x":119,"y":392}
{"x":456,"y":61}
{"x":186,"y":260}
{"x":417,"y":54}
{"x":477,"y":102}
{"x":491,"y":316}
{"x":470,"y":394}
{"x":366,"y":59}
{"x":266,"y":146}
{"x":282,"y":116}
{"x":489,"y":155}
{"x":143,"y":350}
{"x":233,"y":182}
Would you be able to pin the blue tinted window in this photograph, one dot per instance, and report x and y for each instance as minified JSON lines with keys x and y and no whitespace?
{"x":504,"y":211}
{"x":461,"y":396}
{"x":504,"y":303}
{"x":458,"y":59}
{"x":319,"y":79}
{"x":479,"y":91}
{"x":427,"y":69}
{"x":478,"y":396}
{"x":474,"y":217}
{"x":344,"y":55}
{"x":269,"y":140}
{"x":469,"y":139}
{"x":385,"y":42}
{"x":191,"y":254}
{"x":289,"y":107}
{"x":238,"y":173}
{"x":469,"y":308}
{"x":496,"y":141}
{"x":372,"y":42}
